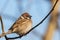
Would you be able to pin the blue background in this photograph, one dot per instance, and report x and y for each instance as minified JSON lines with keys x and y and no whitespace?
{"x":10,"y":10}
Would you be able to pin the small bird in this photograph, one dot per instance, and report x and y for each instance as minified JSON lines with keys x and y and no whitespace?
{"x":22,"y":25}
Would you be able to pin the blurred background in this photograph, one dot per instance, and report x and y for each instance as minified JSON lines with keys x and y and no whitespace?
{"x":10,"y":10}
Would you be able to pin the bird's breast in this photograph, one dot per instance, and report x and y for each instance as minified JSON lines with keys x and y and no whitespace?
{"x":25,"y":27}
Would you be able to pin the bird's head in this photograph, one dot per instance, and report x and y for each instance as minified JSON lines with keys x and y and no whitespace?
{"x":26,"y":16}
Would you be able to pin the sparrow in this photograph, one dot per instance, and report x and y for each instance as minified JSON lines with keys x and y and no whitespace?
{"x":22,"y":25}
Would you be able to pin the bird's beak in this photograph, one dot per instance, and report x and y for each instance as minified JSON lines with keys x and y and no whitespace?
{"x":30,"y":16}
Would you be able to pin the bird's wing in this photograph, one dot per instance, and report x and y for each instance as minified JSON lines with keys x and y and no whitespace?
{"x":16,"y":24}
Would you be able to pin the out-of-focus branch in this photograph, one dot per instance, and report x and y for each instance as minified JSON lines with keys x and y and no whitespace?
{"x":2,"y":25}
{"x":3,"y":28}
{"x":40,"y":21}
{"x":52,"y":24}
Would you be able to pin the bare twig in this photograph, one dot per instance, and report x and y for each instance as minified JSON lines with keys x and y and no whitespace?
{"x":40,"y":21}
{"x":3,"y":28}
{"x":5,"y":33}
{"x":2,"y":25}
{"x":53,"y":23}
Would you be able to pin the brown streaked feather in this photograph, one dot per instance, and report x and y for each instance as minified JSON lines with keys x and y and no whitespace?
{"x":20,"y":23}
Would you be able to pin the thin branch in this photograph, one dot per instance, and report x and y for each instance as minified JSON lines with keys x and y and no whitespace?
{"x":45,"y":17}
{"x":6,"y":37}
{"x":2,"y":25}
{"x":3,"y":28}
{"x":40,"y":21}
